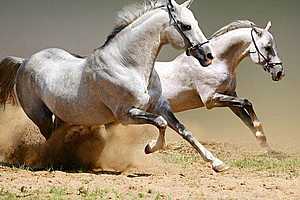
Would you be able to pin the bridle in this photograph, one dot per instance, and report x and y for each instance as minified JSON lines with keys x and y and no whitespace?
{"x":269,"y":65}
{"x":176,"y":23}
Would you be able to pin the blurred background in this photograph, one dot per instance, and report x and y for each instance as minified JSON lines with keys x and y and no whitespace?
{"x":80,"y":26}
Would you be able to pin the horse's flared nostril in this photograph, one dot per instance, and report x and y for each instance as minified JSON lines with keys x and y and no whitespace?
{"x":279,"y":74}
{"x":210,"y":56}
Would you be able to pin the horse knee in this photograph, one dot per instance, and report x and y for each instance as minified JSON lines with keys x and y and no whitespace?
{"x":161,"y":122}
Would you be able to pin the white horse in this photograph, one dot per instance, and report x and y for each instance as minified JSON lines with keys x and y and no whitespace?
{"x":117,"y":83}
{"x":187,"y":86}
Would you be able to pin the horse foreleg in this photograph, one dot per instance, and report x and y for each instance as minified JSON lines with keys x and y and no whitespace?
{"x":243,"y":109}
{"x":141,"y":117}
{"x":165,"y":110}
{"x":256,"y":130}
{"x":158,"y":144}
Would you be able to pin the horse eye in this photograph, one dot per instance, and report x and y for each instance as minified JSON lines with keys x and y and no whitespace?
{"x":268,"y":49}
{"x":185,"y":27}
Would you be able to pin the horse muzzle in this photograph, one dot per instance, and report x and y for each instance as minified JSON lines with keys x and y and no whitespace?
{"x":277,"y":73}
{"x":205,"y":58}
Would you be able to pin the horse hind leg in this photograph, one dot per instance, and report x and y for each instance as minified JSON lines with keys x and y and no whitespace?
{"x":42,"y":117}
{"x":33,"y":106}
{"x":39,"y":114}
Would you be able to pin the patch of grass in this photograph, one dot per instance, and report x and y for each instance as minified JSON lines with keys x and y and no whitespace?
{"x":5,"y":195}
{"x":115,"y":194}
{"x":103,"y":194}
{"x":141,"y":195}
{"x":288,"y":165}
{"x":160,"y":196}
{"x":97,"y":194}
{"x":57,"y":193}
{"x":181,"y":159}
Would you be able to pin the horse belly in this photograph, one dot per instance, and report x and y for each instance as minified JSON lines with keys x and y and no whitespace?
{"x":95,"y":115}
{"x":75,"y":101}
{"x":186,"y":100}
{"x":88,"y":114}
{"x":79,"y":105}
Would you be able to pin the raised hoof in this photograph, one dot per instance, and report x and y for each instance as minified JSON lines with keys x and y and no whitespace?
{"x":148,"y":149}
{"x":221,"y":168}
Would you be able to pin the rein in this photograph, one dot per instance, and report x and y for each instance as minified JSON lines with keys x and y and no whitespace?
{"x":269,"y":65}
{"x":191,"y":46}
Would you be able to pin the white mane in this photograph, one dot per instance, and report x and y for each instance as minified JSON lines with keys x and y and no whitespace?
{"x":130,"y":13}
{"x":233,"y":26}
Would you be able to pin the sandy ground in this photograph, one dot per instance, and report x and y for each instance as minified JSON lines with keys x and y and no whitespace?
{"x":176,"y":173}
{"x":113,"y":166}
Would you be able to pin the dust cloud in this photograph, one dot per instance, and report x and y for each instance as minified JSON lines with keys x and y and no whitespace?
{"x":18,"y":141}
{"x":116,"y":148}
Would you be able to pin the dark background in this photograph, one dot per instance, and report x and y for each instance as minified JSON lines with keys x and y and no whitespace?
{"x":80,"y":26}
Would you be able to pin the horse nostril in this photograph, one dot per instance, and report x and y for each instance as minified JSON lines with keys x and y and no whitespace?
{"x":210,"y":56}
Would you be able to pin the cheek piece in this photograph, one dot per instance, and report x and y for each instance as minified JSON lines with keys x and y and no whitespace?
{"x":268,"y":64}
{"x":191,"y":47}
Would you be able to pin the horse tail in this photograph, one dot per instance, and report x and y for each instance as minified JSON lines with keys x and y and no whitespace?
{"x":9,"y":67}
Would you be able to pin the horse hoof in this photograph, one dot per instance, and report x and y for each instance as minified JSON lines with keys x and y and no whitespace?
{"x":148,"y":149}
{"x":221,"y":168}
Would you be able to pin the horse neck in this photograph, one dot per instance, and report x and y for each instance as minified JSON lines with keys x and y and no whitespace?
{"x":231,"y":47}
{"x":179,"y":74}
{"x":138,"y":45}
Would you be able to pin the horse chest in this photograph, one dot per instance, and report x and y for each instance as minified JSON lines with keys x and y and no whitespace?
{"x":227,"y":84}
{"x":219,"y":78}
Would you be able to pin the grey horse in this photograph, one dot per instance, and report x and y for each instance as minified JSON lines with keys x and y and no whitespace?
{"x":117,"y":83}
{"x":186,"y":86}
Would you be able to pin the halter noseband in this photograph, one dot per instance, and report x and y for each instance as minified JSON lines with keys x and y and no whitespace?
{"x":191,"y":46}
{"x":269,"y":65}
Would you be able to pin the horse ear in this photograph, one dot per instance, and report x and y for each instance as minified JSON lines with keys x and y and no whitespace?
{"x":257,"y":31}
{"x":188,"y":3}
{"x":269,"y":25}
